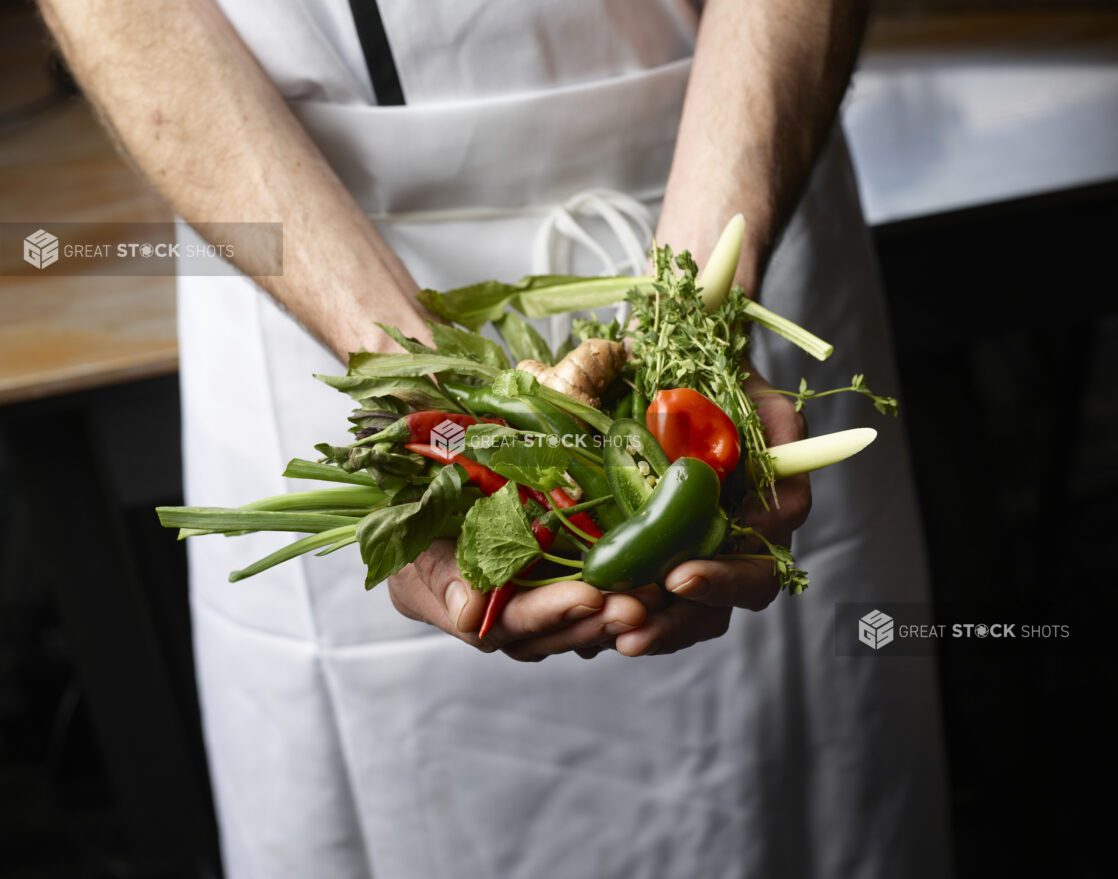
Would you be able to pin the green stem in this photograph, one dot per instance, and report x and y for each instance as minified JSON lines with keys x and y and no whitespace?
{"x":532,"y":584}
{"x":559,"y":560}
{"x":574,"y":529}
{"x":306,"y":544}
{"x":793,"y":332}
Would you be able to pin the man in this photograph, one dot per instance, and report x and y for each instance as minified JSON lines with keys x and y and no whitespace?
{"x":347,"y":740}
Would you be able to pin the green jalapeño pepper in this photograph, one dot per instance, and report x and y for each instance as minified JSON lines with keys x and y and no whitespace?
{"x":634,"y":462}
{"x":537,"y":414}
{"x":668,"y":529}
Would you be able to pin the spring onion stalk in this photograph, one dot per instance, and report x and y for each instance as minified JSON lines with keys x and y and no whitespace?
{"x":817,"y":452}
{"x":307,"y":544}
{"x":323,"y":498}
{"x":219,"y":519}
{"x":717,"y":276}
{"x":793,"y":332}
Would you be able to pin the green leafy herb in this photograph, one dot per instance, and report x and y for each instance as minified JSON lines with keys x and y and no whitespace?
{"x":533,"y":296}
{"x":497,"y":540}
{"x":538,"y":465}
{"x":515,"y":383}
{"x":393,"y":537}
{"x":523,"y":341}
{"x":418,"y":392}
{"x":462,"y":343}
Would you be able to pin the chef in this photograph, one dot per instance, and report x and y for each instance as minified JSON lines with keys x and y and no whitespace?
{"x":405,"y":145}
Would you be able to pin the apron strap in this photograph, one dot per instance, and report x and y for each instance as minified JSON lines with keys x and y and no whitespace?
{"x":378,"y":53}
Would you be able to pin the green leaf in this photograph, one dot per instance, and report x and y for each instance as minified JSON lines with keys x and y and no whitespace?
{"x":515,"y":383}
{"x":393,"y":537}
{"x":456,"y":342}
{"x":297,"y":468}
{"x":497,"y":540}
{"x":418,"y":392}
{"x":595,"y":418}
{"x":537,"y":465}
{"x":375,"y":365}
{"x":532,"y":296}
{"x":523,"y":340}
{"x":412,"y":346}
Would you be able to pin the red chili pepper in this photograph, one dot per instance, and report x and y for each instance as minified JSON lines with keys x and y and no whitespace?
{"x":416,"y":427}
{"x":688,"y":425}
{"x":484,"y":478}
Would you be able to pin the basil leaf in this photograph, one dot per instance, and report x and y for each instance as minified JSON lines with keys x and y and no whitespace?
{"x":393,"y":537}
{"x":412,"y":346}
{"x":523,"y":340}
{"x":497,"y":540}
{"x":374,"y":365}
{"x":463,"y":343}
{"x":418,"y":392}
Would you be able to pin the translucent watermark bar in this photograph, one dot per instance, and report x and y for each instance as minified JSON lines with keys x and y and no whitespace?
{"x":981,"y":629}
{"x":149,"y":249}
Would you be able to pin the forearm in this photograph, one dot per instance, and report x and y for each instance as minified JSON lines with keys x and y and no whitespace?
{"x":190,"y":105}
{"x":767,"y":80}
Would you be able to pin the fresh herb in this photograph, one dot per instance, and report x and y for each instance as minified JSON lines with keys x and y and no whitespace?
{"x":393,"y":537}
{"x":497,"y":540}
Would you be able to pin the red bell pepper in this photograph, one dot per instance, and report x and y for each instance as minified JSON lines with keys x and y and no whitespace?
{"x":688,"y":425}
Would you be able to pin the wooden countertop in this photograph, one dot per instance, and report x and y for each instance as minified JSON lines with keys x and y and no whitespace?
{"x":62,"y":334}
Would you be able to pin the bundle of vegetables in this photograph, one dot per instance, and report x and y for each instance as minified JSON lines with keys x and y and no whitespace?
{"x":613,"y":460}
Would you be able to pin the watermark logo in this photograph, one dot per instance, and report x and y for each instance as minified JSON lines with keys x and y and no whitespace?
{"x":875,"y":629}
{"x":448,"y":438}
{"x":40,"y":249}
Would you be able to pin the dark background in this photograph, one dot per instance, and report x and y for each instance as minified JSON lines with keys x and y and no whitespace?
{"x":1013,"y":423}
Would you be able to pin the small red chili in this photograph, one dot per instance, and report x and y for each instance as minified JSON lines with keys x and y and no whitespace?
{"x":484,"y":478}
{"x":688,"y":425}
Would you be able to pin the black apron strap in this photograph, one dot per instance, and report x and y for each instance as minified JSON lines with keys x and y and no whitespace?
{"x":378,"y":54}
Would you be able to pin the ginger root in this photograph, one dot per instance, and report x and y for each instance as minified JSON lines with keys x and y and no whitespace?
{"x":584,"y":373}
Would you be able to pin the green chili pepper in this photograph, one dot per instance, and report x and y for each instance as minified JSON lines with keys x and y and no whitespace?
{"x":534,"y":413}
{"x":669,"y":528}
{"x":624,"y":407}
{"x":640,"y":406}
{"x":712,"y":540}
{"x":629,"y":445}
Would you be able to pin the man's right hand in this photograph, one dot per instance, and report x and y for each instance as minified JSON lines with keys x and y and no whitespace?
{"x":536,"y":623}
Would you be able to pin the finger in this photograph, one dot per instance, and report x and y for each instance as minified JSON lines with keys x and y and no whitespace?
{"x":533,"y":612}
{"x":462,"y":606}
{"x":786,"y":508}
{"x":619,"y":613}
{"x":681,"y":624}
{"x":652,"y":596}
{"x":747,"y":583}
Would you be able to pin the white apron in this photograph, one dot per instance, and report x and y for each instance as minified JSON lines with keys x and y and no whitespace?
{"x":347,"y":741}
